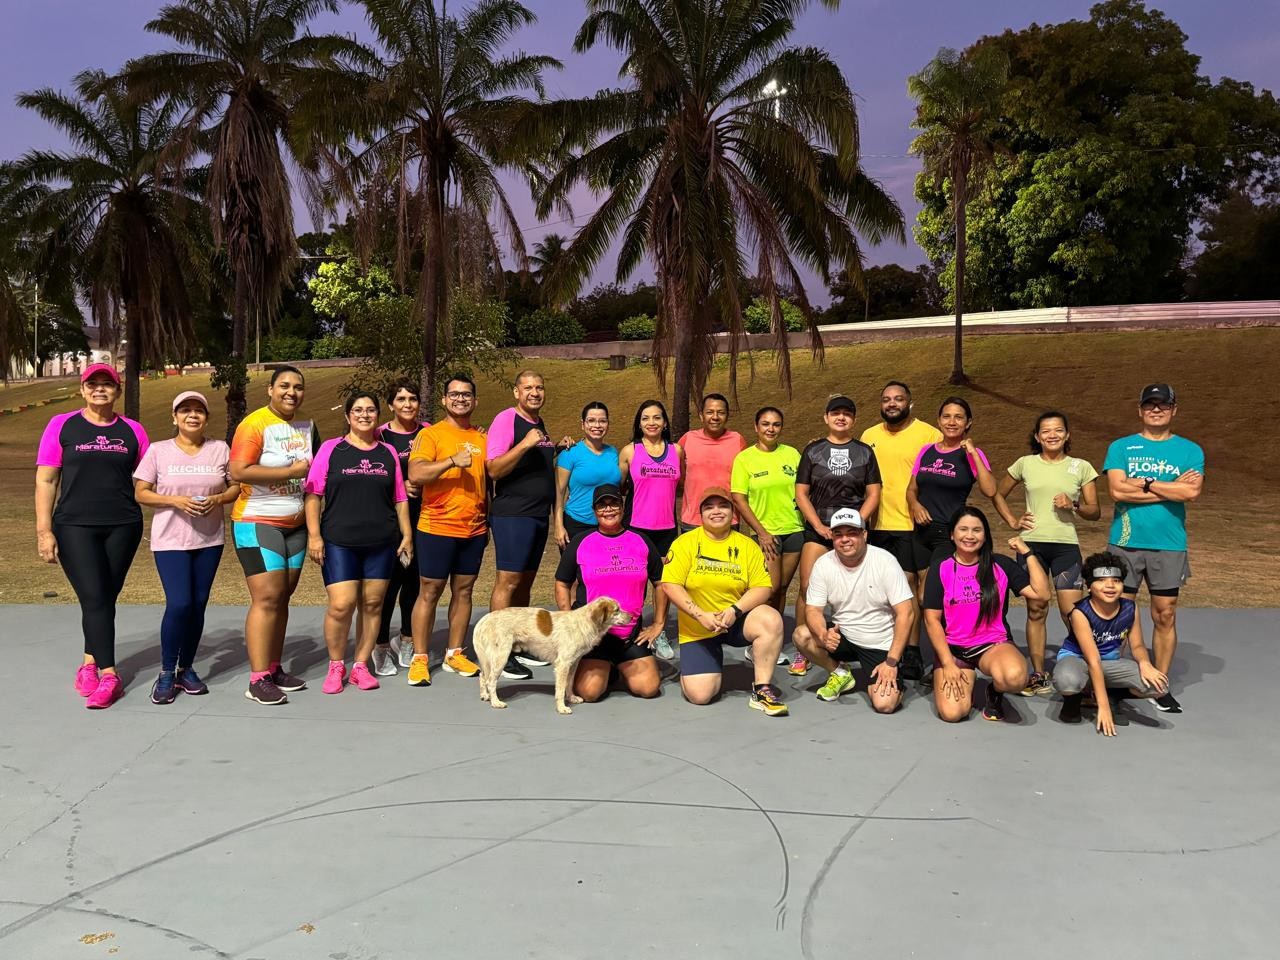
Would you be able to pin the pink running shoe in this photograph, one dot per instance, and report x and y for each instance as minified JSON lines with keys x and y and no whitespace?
{"x":87,"y":679}
{"x":799,"y":665}
{"x":107,"y":692}
{"x":362,"y":678}
{"x":336,"y":677}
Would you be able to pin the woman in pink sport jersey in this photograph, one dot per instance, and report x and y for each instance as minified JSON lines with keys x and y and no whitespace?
{"x":653,"y":469}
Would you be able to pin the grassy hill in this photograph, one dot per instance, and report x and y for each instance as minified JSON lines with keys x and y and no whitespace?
{"x":1094,"y":378}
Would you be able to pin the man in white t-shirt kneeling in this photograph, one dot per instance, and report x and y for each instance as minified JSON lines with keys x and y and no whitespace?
{"x":870,"y":603}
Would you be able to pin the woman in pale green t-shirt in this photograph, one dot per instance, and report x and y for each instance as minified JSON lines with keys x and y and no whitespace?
{"x":1059,"y":488}
{"x":763,"y":486}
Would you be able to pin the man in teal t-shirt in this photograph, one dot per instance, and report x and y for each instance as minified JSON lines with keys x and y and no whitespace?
{"x":1152,"y":475}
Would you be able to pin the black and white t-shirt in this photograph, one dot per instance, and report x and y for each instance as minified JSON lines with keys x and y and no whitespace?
{"x":837,"y":474}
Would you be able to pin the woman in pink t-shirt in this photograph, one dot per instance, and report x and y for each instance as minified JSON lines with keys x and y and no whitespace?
{"x":186,"y":480}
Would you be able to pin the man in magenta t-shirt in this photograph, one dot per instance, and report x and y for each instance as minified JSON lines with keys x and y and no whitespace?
{"x":709,"y":455}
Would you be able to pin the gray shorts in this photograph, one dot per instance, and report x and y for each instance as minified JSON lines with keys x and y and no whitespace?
{"x":1071,"y":675}
{"x":1165,"y":571}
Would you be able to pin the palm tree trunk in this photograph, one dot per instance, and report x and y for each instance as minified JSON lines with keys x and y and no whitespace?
{"x":682,"y":385}
{"x":239,"y":334}
{"x":132,"y":360}
{"x":433,"y":291}
{"x":961,"y":202}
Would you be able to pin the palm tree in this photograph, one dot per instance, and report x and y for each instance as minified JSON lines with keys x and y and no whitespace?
{"x":724,"y":152}
{"x":434,"y":114}
{"x":239,"y":65}
{"x":957,"y":111}
{"x":547,"y":254}
{"x":15,"y":268}
{"x":116,"y":218}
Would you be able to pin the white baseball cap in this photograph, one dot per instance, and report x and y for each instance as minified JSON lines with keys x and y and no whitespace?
{"x":847,"y":517}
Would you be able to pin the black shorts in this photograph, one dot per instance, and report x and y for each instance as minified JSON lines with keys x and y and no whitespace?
{"x":967,"y":657}
{"x":707,"y":656}
{"x":574,"y":527}
{"x":615,"y":649}
{"x":868,"y":657}
{"x":1061,"y":562}
{"x":811,"y":536}
{"x":897,"y":542}
{"x":928,"y":540}
{"x":518,"y":542}
{"x":661,"y":539}
{"x":440,"y":558}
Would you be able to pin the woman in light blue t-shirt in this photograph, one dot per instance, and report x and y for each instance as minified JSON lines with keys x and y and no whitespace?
{"x":586,"y":465}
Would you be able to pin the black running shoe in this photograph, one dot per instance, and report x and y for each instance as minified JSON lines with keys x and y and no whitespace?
{"x":191,"y":683}
{"x":165,"y":689}
{"x":1070,"y":712}
{"x":912,"y":666}
{"x":1167,"y":704}
{"x":266,"y":692}
{"x":994,"y":710}
{"x":515,"y":670}
{"x":287,"y":681}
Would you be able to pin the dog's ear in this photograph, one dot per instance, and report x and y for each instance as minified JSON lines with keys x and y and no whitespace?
{"x":604,"y":610}
{"x":543,"y":622}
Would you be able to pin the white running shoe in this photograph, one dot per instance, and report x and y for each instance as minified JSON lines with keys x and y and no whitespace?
{"x":384,"y":664}
{"x":531,"y":661}
{"x":783,"y":659}
{"x":662,"y":647}
{"x":402,"y":647}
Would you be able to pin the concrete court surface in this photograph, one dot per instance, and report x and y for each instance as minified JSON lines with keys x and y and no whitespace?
{"x":420,"y":822}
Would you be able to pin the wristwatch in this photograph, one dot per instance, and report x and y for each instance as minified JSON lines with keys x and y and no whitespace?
{"x":1146,"y":484}
{"x":737,"y":611}
{"x":891,"y":662}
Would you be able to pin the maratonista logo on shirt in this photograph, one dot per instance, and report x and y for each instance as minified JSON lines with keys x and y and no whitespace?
{"x":939,"y":467}
{"x":657,"y":470}
{"x":838,"y":462}
{"x":103,"y":445}
{"x":970,"y":592}
{"x":366,"y":468}
{"x":621,"y":563}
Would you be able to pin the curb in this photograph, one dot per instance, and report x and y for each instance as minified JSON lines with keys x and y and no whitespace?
{"x":10,"y":411}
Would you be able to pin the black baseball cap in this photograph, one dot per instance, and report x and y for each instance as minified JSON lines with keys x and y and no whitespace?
{"x":841,"y":403}
{"x":606,"y":491}
{"x":1160,"y":392}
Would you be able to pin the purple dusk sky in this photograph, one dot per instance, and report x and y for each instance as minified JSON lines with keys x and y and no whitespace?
{"x":878,"y":43}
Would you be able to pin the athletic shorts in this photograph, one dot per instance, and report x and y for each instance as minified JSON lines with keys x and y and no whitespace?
{"x":440,"y":558}
{"x":790,"y":542}
{"x":1060,"y":561}
{"x":811,"y":536}
{"x":615,"y":649}
{"x":1071,"y":675}
{"x":263,"y":548}
{"x":868,"y":657}
{"x":1165,"y":571}
{"x":342,"y":564}
{"x":967,"y":657}
{"x":519,"y":542}
{"x":707,"y":656}
{"x":661,"y":539}
{"x":897,"y":542}
{"x":574,"y":527}
{"x":927,"y":540}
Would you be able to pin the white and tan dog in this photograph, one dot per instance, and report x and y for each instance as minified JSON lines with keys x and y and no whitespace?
{"x":561,"y":638}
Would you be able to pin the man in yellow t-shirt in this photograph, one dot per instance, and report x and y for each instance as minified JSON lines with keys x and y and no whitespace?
{"x":896,"y":440}
{"x":448,"y":463}
{"x":717,"y":579}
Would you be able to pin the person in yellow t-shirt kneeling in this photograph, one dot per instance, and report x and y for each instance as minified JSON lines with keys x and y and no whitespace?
{"x":718,"y":581}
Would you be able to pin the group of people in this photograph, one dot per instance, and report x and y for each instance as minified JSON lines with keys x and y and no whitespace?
{"x":878,"y":528}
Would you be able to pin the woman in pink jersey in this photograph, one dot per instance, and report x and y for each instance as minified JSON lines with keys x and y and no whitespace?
{"x":653,"y":468}
{"x":972,"y":587}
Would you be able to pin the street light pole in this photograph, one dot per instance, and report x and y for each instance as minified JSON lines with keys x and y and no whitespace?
{"x":35,"y":338}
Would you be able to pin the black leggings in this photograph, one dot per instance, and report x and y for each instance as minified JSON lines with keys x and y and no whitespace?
{"x":403,"y":586}
{"x":96,"y":561}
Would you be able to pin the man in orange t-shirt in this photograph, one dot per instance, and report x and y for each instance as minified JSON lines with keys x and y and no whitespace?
{"x":448,"y":463}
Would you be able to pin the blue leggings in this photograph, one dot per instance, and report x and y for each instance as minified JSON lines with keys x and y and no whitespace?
{"x":187,"y":576}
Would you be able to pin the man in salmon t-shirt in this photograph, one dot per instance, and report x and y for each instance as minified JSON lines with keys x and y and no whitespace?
{"x":448,"y":464}
{"x":709,"y":455}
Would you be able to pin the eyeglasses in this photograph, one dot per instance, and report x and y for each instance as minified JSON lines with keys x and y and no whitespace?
{"x":459,"y":395}
{"x":1156,"y":406}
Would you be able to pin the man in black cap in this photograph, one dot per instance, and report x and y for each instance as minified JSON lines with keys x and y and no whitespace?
{"x":1152,"y":475}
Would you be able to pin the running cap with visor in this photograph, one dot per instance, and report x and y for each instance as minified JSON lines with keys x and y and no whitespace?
{"x":1159,"y":392}
{"x":841,"y":403}
{"x":106,"y":368}
{"x":606,"y":491}
{"x":847,"y":517}
{"x":710,"y":492}
{"x":190,"y":395}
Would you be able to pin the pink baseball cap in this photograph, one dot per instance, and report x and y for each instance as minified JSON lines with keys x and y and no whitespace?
{"x":190,"y":395}
{"x":106,"y":368}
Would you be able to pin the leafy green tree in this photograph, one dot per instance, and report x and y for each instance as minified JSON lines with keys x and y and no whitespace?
{"x":342,"y":283}
{"x":1241,"y":252}
{"x":888,"y":292}
{"x":1117,"y":145}
{"x":428,"y":120}
{"x":609,"y":304}
{"x":758,"y":317}
{"x":957,"y":112}
{"x":543,"y":327}
{"x":723,"y":152}
{"x":117,"y":219}
{"x":239,"y":66}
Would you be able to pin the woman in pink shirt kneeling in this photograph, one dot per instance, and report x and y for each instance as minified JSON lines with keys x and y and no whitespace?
{"x":186,"y":480}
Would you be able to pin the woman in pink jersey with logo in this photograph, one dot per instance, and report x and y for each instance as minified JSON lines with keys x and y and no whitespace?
{"x":612,"y":561}
{"x":85,"y":463}
{"x":187,"y":481}
{"x":653,"y":468}
{"x":966,"y":603}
